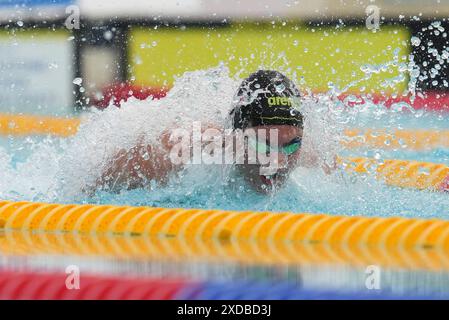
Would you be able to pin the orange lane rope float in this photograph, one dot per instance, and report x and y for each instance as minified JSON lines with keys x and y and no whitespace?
{"x":37,"y":125}
{"x":217,"y":225}
{"x":245,"y":252}
{"x":419,"y":139}
{"x":400,"y":173}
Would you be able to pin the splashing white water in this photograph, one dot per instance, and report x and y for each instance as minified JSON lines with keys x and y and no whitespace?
{"x":54,"y":173}
{"x":204,"y":96}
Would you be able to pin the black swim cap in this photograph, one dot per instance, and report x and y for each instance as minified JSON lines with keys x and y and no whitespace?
{"x":266,"y":98}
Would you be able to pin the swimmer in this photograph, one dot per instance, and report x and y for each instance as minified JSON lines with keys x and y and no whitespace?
{"x":268,"y":102}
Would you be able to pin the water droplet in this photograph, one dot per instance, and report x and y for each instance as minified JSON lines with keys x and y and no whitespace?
{"x":78,"y":81}
{"x":280,"y":88}
{"x":415,"y":41}
{"x":107,"y":35}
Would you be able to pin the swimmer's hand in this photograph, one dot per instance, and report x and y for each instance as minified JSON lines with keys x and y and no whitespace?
{"x":329,"y":168}
{"x":311,"y":159}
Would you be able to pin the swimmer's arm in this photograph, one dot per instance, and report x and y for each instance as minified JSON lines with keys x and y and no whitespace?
{"x":136,"y":167}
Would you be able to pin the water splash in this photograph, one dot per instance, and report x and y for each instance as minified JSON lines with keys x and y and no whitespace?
{"x":57,"y":170}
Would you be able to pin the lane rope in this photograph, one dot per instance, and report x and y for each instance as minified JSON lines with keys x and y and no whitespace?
{"x":224,"y":226}
{"x":400,"y":173}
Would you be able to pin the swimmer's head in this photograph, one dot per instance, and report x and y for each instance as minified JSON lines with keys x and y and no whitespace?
{"x":269,"y":100}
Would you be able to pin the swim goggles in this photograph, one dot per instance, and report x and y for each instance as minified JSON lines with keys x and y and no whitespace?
{"x":288,"y":148}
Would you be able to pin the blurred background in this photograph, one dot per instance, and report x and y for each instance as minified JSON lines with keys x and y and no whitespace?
{"x":58,"y":56}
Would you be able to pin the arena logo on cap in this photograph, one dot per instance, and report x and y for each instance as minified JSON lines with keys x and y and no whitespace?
{"x":279,"y":101}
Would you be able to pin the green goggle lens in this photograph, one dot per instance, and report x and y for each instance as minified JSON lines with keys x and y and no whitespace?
{"x":291,"y":148}
{"x":287,"y":149}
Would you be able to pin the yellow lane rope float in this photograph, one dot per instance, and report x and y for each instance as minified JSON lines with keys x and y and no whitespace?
{"x":217,"y":225}
{"x":355,"y":138}
{"x":37,"y":125}
{"x":419,"y":139}
{"x":400,"y":173}
{"x":247,"y":252}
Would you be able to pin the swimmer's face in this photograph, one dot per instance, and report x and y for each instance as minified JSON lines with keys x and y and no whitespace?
{"x":286,"y":152}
